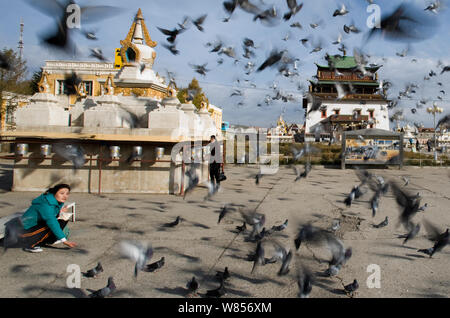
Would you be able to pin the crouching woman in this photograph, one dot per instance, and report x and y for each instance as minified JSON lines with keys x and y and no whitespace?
{"x":40,"y":225}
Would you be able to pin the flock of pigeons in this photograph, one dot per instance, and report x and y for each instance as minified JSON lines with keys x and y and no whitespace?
{"x":269,"y":250}
{"x":405,"y":23}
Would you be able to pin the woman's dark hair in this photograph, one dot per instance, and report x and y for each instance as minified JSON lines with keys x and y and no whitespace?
{"x":57,"y":187}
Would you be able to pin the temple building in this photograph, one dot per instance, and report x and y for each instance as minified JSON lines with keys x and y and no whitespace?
{"x":349,"y":100}
{"x":114,"y":127}
{"x":131,"y":72}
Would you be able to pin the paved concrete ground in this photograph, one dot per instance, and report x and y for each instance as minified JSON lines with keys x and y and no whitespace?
{"x":198,"y":246}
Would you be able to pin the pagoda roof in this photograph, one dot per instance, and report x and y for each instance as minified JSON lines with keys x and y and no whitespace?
{"x":345,"y":62}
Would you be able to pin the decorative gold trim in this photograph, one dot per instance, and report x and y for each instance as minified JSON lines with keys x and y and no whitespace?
{"x":109,"y":85}
{"x":127,"y":43}
{"x":44,"y":79}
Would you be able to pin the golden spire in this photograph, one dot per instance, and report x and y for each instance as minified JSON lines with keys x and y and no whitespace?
{"x":137,"y":28}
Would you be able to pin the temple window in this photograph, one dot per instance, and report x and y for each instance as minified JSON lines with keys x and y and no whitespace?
{"x":323,"y":113}
{"x":61,"y":89}
{"x":88,"y":88}
{"x":371,"y":113}
{"x":337,"y":111}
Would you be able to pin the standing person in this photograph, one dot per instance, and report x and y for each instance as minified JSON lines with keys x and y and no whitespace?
{"x":429,"y":145}
{"x":417,"y":145}
{"x":40,"y":225}
{"x":214,"y":162}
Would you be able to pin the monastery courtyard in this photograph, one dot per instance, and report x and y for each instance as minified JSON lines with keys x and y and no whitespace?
{"x":199,"y":246}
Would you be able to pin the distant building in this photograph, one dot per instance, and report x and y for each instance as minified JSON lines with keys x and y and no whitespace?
{"x":358,"y":105}
{"x":280,"y":132}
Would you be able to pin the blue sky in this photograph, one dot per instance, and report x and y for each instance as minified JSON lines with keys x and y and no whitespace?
{"x":221,"y":81}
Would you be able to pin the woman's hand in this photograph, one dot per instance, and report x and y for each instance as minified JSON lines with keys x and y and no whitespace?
{"x":70,"y":244}
{"x":64,"y":209}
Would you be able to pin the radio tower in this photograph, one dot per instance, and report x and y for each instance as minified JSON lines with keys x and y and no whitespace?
{"x":20,"y":47}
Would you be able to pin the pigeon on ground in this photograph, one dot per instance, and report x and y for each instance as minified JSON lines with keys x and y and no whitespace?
{"x":350,"y":288}
{"x":174,"y":223}
{"x":138,"y":252}
{"x":192,"y":285}
{"x":223,"y":276}
{"x":105,"y":291}
{"x":280,"y":227}
{"x":154,"y":266}
{"x":219,"y":292}
{"x":423,"y":207}
{"x":336,"y":225}
{"x":382,"y":224}
{"x":95,"y":271}
{"x":241,"y":228}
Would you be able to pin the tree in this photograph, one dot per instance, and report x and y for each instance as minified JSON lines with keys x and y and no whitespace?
{"x":12,"y":79}
{"x":195,"y":91}
{"x":35,"y":79}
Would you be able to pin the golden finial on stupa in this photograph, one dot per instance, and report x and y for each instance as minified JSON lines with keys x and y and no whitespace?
{"x":43,"y":83}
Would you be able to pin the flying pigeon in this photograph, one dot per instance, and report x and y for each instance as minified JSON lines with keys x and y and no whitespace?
{"x":154,"y":266}
{"x":411,"y":234}
{"x":304,"y":282}
{"x":137,"y":252}
{"x":73,"y":153}
{"x":342,"y":11}
{"x":434,"y":234}
{"x":293,"y":9}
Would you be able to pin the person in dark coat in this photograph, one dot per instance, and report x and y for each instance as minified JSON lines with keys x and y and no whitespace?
{"x":39,"y":225}
{"x":429,"y":145}
{"x":215,"y":162}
